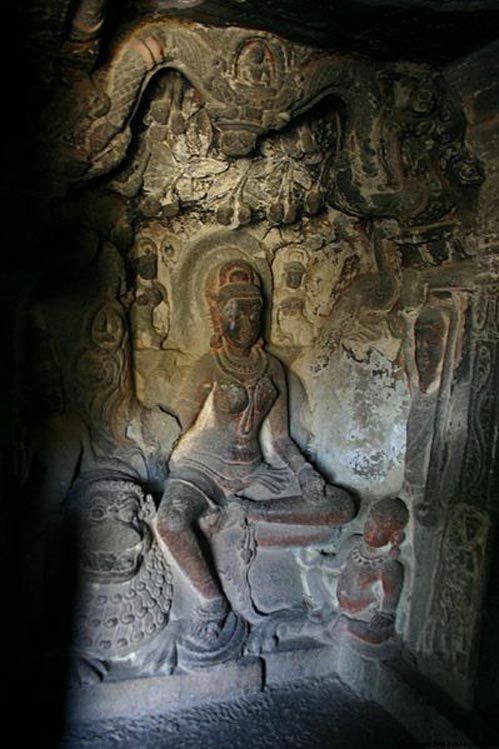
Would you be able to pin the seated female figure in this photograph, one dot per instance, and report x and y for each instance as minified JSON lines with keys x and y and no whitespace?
{"x":224,"y":403}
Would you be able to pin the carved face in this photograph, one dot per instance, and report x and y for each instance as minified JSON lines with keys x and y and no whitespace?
{"x":102,"y":508}
{"x":430,"y":347}
{"x":376,"y":535}
{"x":241,"y":321}
{"x":293,"y":275}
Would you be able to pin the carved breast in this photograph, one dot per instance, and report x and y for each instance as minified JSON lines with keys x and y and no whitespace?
{"x":232,"y":397}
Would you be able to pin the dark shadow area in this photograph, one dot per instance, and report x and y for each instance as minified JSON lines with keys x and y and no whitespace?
{"x":386,"y":31}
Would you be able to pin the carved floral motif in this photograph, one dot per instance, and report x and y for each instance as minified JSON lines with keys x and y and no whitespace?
{"x":406,"y":160}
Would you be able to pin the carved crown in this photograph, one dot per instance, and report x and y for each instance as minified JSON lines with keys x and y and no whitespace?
{"x":235,"y":279}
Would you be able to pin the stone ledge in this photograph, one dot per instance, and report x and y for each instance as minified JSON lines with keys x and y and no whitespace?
{"x":135,"y":698}
{"x":371,"y":679}
{"x":294,"y":665}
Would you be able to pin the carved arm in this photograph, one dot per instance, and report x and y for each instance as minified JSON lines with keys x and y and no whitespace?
{"x":195,"y":388}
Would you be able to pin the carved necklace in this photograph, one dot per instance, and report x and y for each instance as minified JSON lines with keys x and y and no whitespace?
{"x":248,"y":370}
{"x":371,"y":563}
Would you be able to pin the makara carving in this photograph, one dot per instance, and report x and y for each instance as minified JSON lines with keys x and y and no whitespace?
{"x":390,"y":141}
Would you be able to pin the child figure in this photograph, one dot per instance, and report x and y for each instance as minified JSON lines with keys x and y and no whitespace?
{"x":370,"y":581}
{"x":365,"y":575}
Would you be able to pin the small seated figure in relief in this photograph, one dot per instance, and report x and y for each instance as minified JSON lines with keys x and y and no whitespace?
{"x":220,"y":458}
{"x":368,"y":577}
{"x":370,"y":582}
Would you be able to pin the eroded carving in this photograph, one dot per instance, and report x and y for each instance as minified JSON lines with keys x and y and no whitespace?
{"x":152,"y":256}
{"x":126,"y":590}
{"x":477,"y":475}
{"x":454,"y":605}
{"x":367,"y":159}
{"x":221,"y":459}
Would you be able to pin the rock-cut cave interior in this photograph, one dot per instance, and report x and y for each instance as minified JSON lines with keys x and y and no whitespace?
{"x":250,"y":419}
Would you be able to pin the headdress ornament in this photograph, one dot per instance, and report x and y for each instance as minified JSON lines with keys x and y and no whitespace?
{"x":235,"y":279}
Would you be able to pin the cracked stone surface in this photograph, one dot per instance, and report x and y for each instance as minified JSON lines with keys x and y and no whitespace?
{"x":312,"y":714}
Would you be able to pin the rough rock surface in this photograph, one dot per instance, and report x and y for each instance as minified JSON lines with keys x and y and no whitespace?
{"x":314,"y":714}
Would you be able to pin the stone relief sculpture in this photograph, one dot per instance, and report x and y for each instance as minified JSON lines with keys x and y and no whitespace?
{"x":150,"y":314}
{"x":351,"y":179}
{"x":126,"y":595}
{"x":430,"y":333}
{"x":454,"y":600}
{"x":290,"y":325}
{"x":343,"y":164}
{"x":220,"y":457}
{"x":364,"y":577}
{"x":370,"y":582}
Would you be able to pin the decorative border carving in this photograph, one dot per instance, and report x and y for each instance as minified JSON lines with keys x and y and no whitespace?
{"x":386,"y":160}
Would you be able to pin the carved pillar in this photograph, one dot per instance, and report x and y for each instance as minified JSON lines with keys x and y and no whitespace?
{"x":479,"y":472}
{"x":451,"y":635}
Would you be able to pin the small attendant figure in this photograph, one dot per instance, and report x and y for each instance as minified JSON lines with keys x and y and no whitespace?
{"x":370,"y":582}
{"x":365,"y":575}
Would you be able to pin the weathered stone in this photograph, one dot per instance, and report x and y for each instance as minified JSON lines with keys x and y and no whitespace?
{"x":267,"y":307}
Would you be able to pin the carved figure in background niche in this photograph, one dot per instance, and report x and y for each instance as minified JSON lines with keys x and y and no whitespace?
{"x":150,"y":311}
{"x":368,"y":575}
{"x":255,"y":64}
{"x":425,"y":364}
{"x":430,"y":334}
{"x":291,"y":326}
{"x":220,"y":459}
{"x":360,"y":319}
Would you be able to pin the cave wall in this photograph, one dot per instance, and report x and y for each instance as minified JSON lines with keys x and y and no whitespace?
{"x":363,"y":197}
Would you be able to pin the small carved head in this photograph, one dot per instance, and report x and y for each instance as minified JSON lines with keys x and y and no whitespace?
{"x":385,"y":523}
{"x":293,"y":274}
{"x":235,"y":297}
